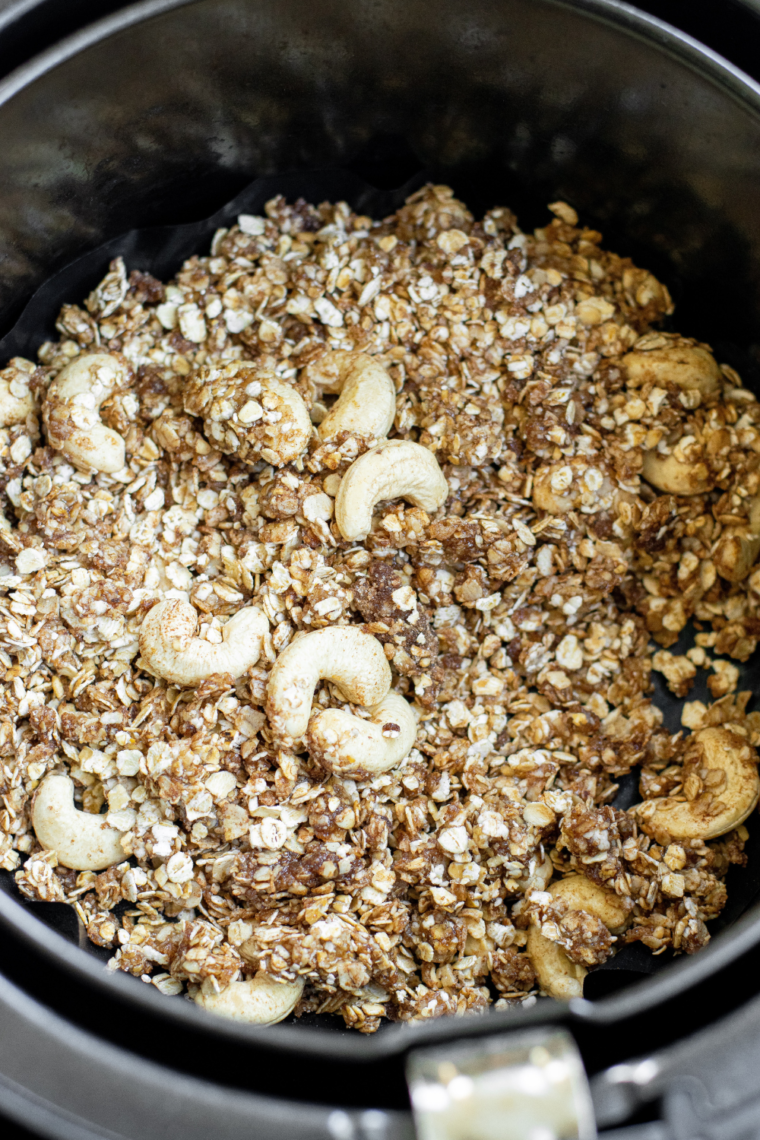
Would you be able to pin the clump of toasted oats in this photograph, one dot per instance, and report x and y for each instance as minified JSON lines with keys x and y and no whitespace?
{"x":249,"y":413}
{"x":517,"y":617}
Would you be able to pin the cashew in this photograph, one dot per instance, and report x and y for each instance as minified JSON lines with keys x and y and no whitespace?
{"x":16,"y":401}
{"x":349,"y":746}
{"x":581,"y":893}
{"x":258,"y":1000}
{"x":739,"y":546}
{"x":710,"y":814}
{"x":675,"y":475}
{"x":81,"y":841}
{"x":557,"y":974}
{"x":169,"y":648}
{"x":687,"y":366}
{"x":353,"y":660}
{"x":248,"y":412}
{"x":395,"y":469}
{"x":367,"y":403}
{"x":71,"y":408}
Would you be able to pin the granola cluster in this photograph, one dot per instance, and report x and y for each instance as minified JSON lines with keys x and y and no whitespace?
{"x":518,"y":618}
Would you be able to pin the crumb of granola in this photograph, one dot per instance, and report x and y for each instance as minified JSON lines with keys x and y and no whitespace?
{"x":517,"y":617}
{"x":725,"y":680}
{"x":678,"y":671}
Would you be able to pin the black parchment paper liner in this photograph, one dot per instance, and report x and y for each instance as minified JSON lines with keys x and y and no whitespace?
{"x":160,"y":250}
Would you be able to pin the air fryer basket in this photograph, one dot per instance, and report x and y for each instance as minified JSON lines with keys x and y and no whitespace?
{"x":164,"y":111}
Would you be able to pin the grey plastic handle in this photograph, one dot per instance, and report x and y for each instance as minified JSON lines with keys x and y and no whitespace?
{"x":67,"y":1084}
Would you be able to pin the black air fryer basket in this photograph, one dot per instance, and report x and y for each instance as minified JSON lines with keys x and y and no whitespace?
{"x":117,"y":141}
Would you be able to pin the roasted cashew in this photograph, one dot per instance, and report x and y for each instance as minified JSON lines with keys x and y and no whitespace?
{"x":396,"y":469}
{"x":710,"y":814}
{"x":689,"y":367}
{"x":248,"y":412}
{"x":349,"y":746}
{"x":170,"y":649}
{"x":676,"y":475}
{"x":71,"y":412}
{"x":367,"y":403}
{"x":81,"y":841}
{"x":557,"y":974}
{"x":353,"y":660}
{"x":258,"y":1000}
{"x":739,"y":546}
{"x":16,"y":401}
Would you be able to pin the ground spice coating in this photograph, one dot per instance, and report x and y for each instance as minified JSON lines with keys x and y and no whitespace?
{"x":519,"y":618}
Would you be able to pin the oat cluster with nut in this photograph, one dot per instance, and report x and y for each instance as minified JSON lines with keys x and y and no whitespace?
{"x":328,"y":578}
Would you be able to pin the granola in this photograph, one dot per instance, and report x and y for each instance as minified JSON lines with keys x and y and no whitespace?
{"x":518,"y":618}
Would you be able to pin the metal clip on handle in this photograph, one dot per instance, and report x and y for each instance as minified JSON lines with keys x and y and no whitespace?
{"x":516,"y":1086}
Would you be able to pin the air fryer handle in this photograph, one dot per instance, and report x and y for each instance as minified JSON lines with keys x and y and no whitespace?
{"x":706,"y":1087}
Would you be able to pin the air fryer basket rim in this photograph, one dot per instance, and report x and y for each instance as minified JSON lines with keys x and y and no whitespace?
{"x":681,"y":975}
{"x":615,"y":13}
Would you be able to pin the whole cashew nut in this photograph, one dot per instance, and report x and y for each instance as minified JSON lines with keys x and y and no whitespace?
{"x":739,"y":546}
{"x":710,"y":815}
{"x":349,"y":746}
{"x":170,"y":649}
{"x":16,"y":401}
{"x":71,"y":412}
{"x":248,"y":412}
{"x":367,"y":403}
{"x":81,"y":841}
{"x":396,"y":469}
{"x":258,"y":1000}
{"x":677,"y":475}
{"x":353,"y":660}
{"x":689,"y":367}
{"x":557,"y":974}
